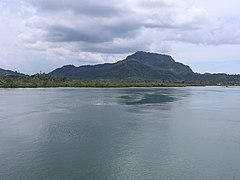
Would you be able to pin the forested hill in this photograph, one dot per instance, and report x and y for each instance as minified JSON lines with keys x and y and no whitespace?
{"x":4,"y":72}
{"x":138,"y":66}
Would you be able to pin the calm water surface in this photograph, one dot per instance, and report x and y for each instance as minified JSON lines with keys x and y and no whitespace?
{"x":126,"y":133}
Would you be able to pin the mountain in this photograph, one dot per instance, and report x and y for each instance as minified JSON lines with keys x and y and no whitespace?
{"x":138,"y":66}
{"x":4,"y":72}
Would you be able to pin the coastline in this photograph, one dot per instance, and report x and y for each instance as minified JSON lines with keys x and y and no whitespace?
{"x":105,"y":84}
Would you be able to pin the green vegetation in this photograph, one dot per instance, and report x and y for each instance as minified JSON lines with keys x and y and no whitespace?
{"x":45,"y":80}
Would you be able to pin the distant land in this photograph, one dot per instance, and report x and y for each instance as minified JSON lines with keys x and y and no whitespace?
{"x":4,"y":72}
{"x":138,"y":69}
{"x":142,"y":66}
{"x":138,"y":66}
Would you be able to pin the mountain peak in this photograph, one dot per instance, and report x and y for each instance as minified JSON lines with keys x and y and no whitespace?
{"x":146,"y":56}
{"x":148,"y":53}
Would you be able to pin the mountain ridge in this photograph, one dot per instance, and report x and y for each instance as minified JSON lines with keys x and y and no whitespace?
{"x":138,"y":66}
{"x":4,"y":72}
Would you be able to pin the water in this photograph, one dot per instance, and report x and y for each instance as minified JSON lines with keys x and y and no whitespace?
{"x":125,"y":133}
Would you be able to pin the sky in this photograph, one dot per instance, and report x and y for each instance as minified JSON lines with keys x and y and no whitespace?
{"x":42,"y":35}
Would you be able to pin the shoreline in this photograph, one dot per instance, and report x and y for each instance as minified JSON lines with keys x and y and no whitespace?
{"x":101,"y":86}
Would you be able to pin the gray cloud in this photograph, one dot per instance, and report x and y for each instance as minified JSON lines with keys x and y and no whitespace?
{"x":90,"y":32}
{"x":89,"y":8}
{"x":83,"y":21}
{"x":59,"y":33}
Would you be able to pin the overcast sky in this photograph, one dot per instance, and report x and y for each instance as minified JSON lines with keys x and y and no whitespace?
{"x":41,"y":35}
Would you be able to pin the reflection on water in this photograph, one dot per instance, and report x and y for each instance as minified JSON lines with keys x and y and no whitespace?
{"x":125,"y":133}
{"x":142,"y":98}
{"x":145,"y":96}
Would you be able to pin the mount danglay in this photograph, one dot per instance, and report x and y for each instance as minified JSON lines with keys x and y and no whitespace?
{"x":138,"y":66}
